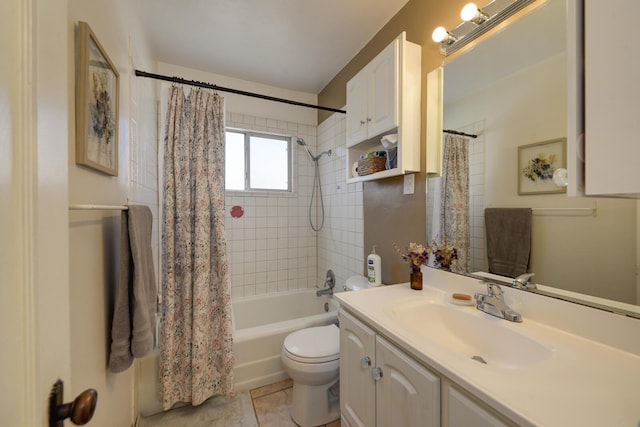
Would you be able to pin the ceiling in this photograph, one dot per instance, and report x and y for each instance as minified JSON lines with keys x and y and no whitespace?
{"x":293,"y":44}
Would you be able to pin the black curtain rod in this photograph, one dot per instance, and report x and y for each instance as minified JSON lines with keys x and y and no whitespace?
{"x":455,"y":132}
{"x":236,"y":91}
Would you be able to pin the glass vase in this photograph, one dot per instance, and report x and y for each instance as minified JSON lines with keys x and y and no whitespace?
{"x":416,"y":279}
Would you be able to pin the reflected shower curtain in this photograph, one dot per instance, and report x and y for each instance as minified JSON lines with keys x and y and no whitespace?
{"x":196,"y":360}
{"x":454,"y":214}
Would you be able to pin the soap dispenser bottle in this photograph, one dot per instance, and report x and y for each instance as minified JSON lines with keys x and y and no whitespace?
{"x":374,"y":268}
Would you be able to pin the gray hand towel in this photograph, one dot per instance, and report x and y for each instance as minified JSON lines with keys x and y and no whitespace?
{"x":508,"y":240}
{"x":133,"y":324}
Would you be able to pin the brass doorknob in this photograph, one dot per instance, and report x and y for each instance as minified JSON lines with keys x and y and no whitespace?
{"x":80,"y":411}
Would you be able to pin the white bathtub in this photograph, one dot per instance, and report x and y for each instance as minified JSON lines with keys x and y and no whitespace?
{"x":261,"y":324}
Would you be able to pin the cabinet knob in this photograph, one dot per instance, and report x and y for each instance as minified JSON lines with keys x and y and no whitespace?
{"x":365,"y":362}
{"x":376,"y":373}
{"x":368,"y":119}
{"x":362,"y":122}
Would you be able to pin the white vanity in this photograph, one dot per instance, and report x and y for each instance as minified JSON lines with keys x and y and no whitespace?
{"x":413,"y":358}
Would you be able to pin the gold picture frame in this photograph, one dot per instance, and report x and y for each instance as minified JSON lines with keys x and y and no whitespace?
{"x":536,"y":164}
{"x":97,"y":100}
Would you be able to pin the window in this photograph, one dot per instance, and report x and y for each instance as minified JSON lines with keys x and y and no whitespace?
{"x":257,"y":161}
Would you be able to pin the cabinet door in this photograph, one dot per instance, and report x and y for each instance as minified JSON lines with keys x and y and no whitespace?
{"x":357,"y":89}
{"x":612,"y":110}
{"x":407,"y":394}
{"x":357,"y":387}
{"x":383,"y":108}
{"x":464,"y":412}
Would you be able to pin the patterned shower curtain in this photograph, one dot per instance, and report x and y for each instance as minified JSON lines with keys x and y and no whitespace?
{"x":454,"y":214}
{"x":196,"y":339}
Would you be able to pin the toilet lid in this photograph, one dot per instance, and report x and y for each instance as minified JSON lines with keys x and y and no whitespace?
{"x":314,"y":345}
{"x":355,"y":283}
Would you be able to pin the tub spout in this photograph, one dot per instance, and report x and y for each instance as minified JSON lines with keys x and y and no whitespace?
{"x":330,"y":282}
{"x":325,"y":291}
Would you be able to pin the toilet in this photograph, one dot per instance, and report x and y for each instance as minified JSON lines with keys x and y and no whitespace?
{"x":311,"y":357}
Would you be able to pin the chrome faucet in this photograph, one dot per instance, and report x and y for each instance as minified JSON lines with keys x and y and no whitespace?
{"x":330,"y":282}
{"x":493,"y":303}
{"x":522,"y":282}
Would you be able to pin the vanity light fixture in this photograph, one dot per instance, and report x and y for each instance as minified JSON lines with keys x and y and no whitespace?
{"x":471,"y":13}
{"x":476,"y":22}
{"x":441,"y":35}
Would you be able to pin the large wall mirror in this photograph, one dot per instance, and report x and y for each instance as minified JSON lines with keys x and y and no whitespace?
{"x":510,"y":89}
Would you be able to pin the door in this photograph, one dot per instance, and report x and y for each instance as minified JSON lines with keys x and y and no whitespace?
{"x":463,"y":412}
{"x":384,"y":90}
{"x":357,"y":357}
{"x":407,"y":393}
{"x":34,"y":273}
{"x":357,"y":89}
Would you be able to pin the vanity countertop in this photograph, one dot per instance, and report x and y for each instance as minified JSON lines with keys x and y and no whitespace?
{"x":592,"y":377}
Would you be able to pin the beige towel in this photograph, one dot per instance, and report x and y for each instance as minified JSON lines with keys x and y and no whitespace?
{"x":132,"y":330}
{"x":508,"y":240}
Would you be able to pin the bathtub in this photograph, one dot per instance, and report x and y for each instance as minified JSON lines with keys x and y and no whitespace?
{"x":261,"y":324}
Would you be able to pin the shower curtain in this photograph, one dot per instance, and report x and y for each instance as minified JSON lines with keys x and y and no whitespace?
{"x":454,"y":214}
{"x":196,"y":360}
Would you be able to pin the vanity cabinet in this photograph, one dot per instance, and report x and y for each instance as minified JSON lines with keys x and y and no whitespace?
{"x":380,"y":385}
{"x":461,"y":410}
{"x":384,"y":98}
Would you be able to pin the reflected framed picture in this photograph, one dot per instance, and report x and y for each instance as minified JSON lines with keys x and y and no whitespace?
{"x":536,"y":164}
{"x":97,"y":96}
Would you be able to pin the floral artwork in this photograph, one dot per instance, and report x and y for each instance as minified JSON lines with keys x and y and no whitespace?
{"x":536,"y":165}
{"x":97,"y":105}
{"x":540,"y":168}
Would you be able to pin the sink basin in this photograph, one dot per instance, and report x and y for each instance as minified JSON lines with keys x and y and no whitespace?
{"x":482,"y":338}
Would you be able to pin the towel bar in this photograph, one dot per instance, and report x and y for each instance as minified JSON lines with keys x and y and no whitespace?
{"x":98,"y":207}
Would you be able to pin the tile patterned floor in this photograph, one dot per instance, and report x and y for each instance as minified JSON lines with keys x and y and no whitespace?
{"x":268,"y":406}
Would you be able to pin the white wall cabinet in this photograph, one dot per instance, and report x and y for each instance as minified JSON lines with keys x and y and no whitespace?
{"x":611,"y":93}
{"x":380,"y":385}
{"x":384,"y":98}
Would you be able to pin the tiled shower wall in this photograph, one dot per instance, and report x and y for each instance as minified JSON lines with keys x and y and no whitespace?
{"x":341,"y":241}
{"x":272,"y":247}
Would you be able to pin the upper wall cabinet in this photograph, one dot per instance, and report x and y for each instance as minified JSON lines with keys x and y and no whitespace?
{"x":612,"y":94}
{"x":384,"y":99}
{"x":604,"y":113}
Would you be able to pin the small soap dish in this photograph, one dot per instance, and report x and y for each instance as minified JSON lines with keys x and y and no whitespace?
{"x":461,"y":299}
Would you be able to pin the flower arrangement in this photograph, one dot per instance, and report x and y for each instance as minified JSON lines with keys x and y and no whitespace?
{"x":443,"y":254}
{"x":415,"y":254}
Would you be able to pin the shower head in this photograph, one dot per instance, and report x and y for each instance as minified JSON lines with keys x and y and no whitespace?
{"x":302,"y":143}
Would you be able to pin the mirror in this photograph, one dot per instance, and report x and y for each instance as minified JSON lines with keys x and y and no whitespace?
{"x":510,"y":90}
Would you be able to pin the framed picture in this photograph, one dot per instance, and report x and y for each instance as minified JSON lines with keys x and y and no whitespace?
{"x":536,"y":164}
{"x":97,"y":92}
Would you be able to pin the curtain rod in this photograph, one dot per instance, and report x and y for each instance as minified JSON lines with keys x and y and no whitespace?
{"x":455,"y":132}
{"x":236,"y":91}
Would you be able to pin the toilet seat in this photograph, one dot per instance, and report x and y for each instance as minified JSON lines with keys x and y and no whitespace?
{"x":313,"y":345}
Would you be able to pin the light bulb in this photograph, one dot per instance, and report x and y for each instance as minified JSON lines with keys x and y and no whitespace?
{"x":439,"y":34}
{"x":469,"y":11}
